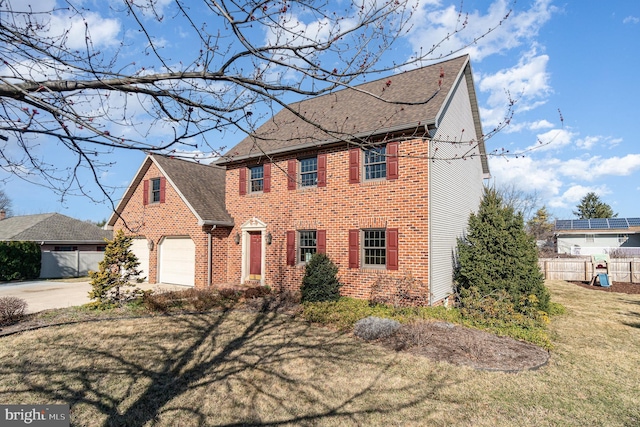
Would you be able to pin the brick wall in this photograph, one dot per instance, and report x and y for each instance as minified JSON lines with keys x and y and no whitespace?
{"x":173,"y":218}
{"x":337,"y":208}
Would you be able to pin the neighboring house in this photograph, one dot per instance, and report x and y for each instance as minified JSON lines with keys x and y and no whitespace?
{"x":598,"y":236}
{"x":56,"y":233}
{"x":364,"y":186}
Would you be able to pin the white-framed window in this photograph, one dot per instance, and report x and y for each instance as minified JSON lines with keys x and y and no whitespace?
{"x":375,"y":162}
{"x":154,"y":197}
{"x":256,"y":179}
{"x":308,"y":172}
{"x":590,"y":238}
{"x":374,"y":247}
{"x":307,"y":244}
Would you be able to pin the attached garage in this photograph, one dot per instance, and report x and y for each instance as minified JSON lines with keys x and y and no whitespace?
{"x":177,"y":261}
{"x":141,"y":250}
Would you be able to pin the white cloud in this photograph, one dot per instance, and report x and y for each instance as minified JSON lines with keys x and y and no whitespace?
{"x":526,"y":173}
{"x":526,"y":84}
{"x":631,"y":20}
{"x":434,"y":24}
{"x":574,"y":193}
{"x":596,"y":167}
{"x":553,"y":139}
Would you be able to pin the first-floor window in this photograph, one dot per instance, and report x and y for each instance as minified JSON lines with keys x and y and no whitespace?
{"x":590,"y":238}
{"x":307,"y":245}
{"x":65,"y":248}
{"x":375,"y":247}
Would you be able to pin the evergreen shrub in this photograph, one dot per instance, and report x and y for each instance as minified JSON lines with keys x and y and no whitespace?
{"x":497,"y":254}
{"x":19,"y":261}
{"x":320,"y":281}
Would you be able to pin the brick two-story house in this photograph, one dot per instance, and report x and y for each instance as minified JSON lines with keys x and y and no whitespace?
{"x":381,"y":177}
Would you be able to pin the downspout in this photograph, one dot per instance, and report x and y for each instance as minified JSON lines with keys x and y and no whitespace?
{"x":209,"y":254}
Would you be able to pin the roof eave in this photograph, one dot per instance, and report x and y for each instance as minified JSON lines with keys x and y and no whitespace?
{"x":325,"y":143}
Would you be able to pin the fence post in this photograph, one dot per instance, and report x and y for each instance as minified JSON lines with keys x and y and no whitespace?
{"x":546,"y":269}
{"x":77,"y":263}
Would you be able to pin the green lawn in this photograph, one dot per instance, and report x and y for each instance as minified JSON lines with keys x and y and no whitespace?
{"x":238,"y":368}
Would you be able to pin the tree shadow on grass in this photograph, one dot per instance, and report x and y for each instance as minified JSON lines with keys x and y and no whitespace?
{"x":224,"y":368}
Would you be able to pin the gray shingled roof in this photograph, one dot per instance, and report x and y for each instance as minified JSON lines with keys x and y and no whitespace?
{"x":50,"y":227}
{"x":202,"y":188}
{"x":373,"y":108}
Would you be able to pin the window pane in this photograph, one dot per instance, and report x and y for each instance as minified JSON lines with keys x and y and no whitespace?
{"x":375,"y":163}
{"x":375,"y":251}
{"x":256,"y":178}
{"x":308,"y":172}
{"x":155,"y":190}
{"x":307,"y":244}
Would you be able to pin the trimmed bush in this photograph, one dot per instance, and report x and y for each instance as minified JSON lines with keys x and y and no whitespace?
{"x":19,"y":261}
{"x":320,"y":281}
{"x":11,"y":309}
{"x":373,"y":328}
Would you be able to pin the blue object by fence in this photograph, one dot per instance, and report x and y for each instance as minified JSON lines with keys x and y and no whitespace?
{"x":604,"y":280}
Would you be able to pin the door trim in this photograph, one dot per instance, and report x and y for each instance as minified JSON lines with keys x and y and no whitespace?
{"x":252,"y":225}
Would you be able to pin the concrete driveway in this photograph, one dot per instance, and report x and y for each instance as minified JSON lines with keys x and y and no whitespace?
{"x":45,"y":294}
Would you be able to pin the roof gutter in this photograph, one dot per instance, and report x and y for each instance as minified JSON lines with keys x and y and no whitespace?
{"x":203,"y":222}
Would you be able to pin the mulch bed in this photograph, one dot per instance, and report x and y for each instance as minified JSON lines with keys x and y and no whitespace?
{"x":459,"y":345}
{"x":619,"y":287}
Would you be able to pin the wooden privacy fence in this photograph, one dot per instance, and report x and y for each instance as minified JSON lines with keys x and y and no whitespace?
{"x":620,"y":269}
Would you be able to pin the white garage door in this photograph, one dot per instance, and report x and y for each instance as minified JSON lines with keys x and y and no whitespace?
{"x":177,"y":261}
{"x":141,"y":250}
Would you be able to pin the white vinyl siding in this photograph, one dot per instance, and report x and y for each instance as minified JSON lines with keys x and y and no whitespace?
{"x":455,"y":190}
{"x":177,"y":261}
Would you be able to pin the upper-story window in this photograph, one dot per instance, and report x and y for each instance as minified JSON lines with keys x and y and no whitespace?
{"x":375,"y":162}
{"x":256,"y":179}
{"x":308,"y":172}
{"x":154,"y":197}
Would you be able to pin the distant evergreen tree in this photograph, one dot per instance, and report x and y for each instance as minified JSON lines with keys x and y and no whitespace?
{"x":497,"y":254}
{"x":540,"y":225}
{"x":591,"y":206}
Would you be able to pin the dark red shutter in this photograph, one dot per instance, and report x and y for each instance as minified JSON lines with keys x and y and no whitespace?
{"x":266,"y":169}
{"x":321,"y":241}
{"x":392,"y":248}
{"x":354,"y":165}
{"x":354,"y":248}
{"x":243,"y":181}
{"x":145,"y":192}
{"x":291,"y":174}
{"x":322,"y":170}
{"x":163,"y":187}
{"x":291,"y":248}
{"x":392,"y":160}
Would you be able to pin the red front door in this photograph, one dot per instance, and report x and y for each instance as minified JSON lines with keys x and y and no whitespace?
{"x":255,"y":256}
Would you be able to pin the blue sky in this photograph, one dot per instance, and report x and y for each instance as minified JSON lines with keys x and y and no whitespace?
{"x":570,"y":66}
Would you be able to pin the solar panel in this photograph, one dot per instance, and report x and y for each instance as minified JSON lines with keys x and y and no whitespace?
{"x":581,"y":224}
{"x":618,"y":223}
{"x":599,"y":223}
{"x":563,"y":224}
{"x":634,"y":222}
